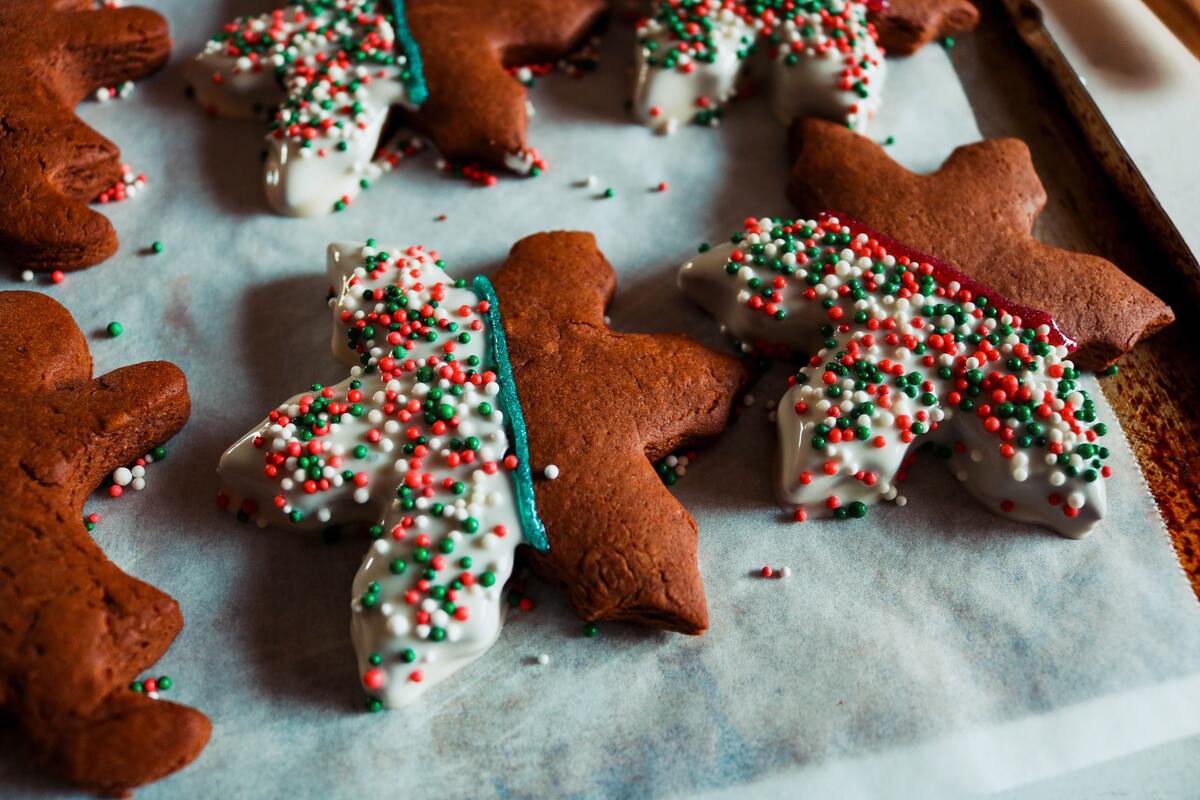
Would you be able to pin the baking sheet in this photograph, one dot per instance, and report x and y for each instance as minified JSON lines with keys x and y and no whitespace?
{"x":1144,"y":92}
{"x":933,"y":648}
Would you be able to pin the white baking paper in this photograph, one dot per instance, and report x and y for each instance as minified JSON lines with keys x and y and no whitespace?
{"x":932,"y":649}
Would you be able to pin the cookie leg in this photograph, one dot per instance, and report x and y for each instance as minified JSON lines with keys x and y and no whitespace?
{"x":127,"y":741}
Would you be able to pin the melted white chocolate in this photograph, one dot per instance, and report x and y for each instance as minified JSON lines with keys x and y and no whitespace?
{"x":411,"y":629}
{"x":769,"y":302}
{"x":816,"y":67}
{"x":328,"y":111}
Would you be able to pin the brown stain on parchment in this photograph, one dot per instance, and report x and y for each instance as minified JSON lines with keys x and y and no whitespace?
{"x":177,"y":315}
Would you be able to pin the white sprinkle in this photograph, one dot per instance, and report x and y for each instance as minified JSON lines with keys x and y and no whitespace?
{"x":543,"y":659}
{"x":27,"y":275}
{"x":785,"y":572}
{"x":551,"y":471}
{"x":122,"y":476}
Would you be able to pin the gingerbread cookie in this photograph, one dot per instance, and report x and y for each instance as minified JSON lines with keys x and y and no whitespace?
{"x":602,"y":407}
{"x":824,"y":56}
{"x":906,"y":351}
{"x":423,"y":443}
{"x":333,"y":71}
{"x":75,"y":630}
{"x":976,"y":212}
{"x":59,"y":52}
{"x":905,"y":26}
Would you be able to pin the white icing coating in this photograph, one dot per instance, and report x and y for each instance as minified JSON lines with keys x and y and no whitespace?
{"x":758,"y":289}
{"x":329,"y":109}
{"x":824,"y":62}
{"x":461,"y":503}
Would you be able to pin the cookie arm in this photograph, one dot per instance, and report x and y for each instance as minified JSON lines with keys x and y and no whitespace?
{"x":114,"y":45}
{"x":645,"y":570}
{"x":686,"y":406}
{"x":132,"y":409}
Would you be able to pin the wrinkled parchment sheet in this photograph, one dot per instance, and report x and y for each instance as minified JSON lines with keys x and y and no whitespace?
{"x":934,"y":647}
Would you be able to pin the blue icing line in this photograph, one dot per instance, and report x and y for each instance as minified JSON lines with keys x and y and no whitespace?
{"x":531,"y":523}
{"x":418,"y":92}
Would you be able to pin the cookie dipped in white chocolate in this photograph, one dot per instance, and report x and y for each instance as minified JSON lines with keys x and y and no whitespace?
{"x":414,"y":443}
{"x":906,"y":351}
{"x":824,"y":60}
{"x":331,"y":71}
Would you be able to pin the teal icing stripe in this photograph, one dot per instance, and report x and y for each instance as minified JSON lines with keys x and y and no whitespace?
{"x":531,"y":523}
{"x":414,"y":81}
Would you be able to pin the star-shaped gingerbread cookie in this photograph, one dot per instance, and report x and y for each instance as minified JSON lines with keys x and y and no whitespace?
{"x":600,"y":407}
{"x":74,"y":629}
{"x":333,"y":71}
{"x":977,"y":212}
{"x":905,"y":26}
{"x":51,"y":164}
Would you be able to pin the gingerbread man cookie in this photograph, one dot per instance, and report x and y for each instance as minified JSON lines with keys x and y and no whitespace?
{"x":601,"y":407}
{"x":423,"y":443}
{"x":51,"y":164}
{"x":976,"y":212}
{"x":331,"y":72}
{"x":825,"y":60}
{"x":905,"y":351}
{"x":905,"y":26}
{"x":74,"y":629}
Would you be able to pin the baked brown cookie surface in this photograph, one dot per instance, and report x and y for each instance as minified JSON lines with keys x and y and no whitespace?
{"x":905,"y":26}
{"x":977,"y":212}
{"x":74,"y":629}
{"x":600,"y":407}
{"x":476,"y":110}
{"x":51,"y":164}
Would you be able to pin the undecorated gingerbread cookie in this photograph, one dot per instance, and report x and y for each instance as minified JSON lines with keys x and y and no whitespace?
{"x":57,"y":52}
{"x":75,"y":631}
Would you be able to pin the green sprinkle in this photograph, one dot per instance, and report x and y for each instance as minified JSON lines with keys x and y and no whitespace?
{"x":115,"y":329}
{"x":590,"y":630}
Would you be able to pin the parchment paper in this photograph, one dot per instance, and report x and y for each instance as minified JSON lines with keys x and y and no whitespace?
{"x":932,"y":649}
